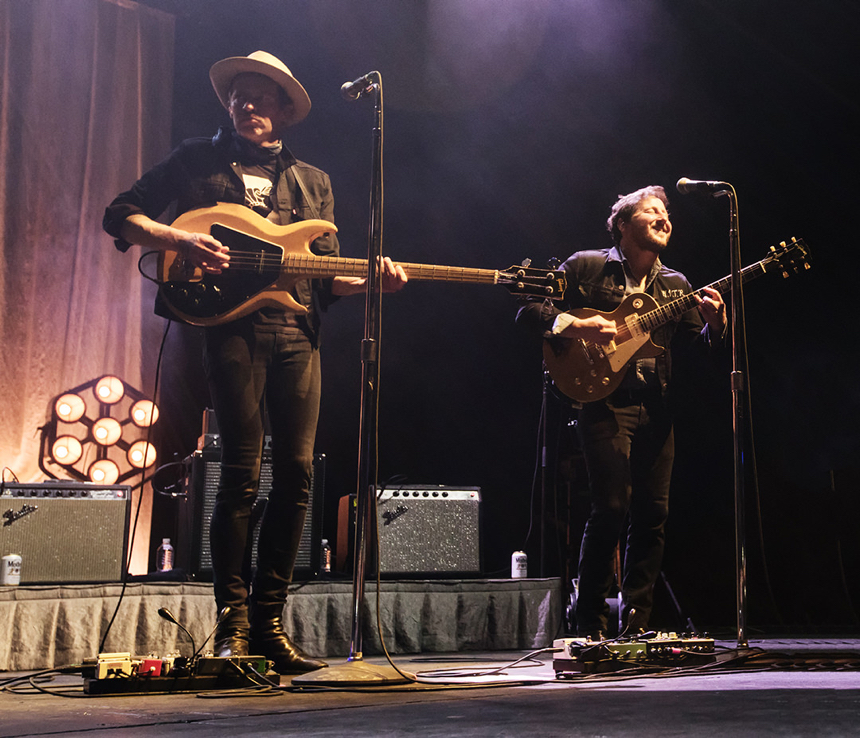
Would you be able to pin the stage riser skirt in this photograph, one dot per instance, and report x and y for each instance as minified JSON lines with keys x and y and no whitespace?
{"x":45,"y":627}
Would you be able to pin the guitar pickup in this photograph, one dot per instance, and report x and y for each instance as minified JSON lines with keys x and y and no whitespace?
{"x":634,"y":325}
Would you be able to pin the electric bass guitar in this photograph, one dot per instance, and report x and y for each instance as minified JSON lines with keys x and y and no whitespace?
{"x":266,"y":261}
{"x":586,"y":371}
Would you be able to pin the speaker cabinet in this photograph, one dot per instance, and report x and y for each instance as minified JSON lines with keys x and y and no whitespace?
{"x":202,"y":474}
{"x":66,"y":532}
{"x":424,"y":530}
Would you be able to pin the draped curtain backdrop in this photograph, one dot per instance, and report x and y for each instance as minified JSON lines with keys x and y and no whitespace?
{"x":85,"y":107}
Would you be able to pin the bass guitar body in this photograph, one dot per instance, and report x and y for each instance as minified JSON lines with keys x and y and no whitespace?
{"x":255,"y":277}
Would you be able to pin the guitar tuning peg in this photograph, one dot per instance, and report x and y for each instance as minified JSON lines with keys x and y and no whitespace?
{"x":553,"y":262}
{"x":526,"y":262}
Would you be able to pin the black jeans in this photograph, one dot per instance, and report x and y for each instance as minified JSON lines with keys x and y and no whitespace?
{"x":629,"y":449}
{"x":247,"y":367}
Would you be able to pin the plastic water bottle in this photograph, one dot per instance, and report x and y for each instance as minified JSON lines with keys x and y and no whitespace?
{"x":164,"y":556}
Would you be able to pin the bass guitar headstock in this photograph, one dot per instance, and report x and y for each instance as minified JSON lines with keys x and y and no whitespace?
{"x":523,"y":280}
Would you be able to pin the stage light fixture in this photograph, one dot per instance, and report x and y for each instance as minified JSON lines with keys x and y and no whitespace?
{"x":141,"y":454}
{"x":144,"y":413}
{"x":103,"y":471}
{"x":107,"y":431}
{"x":70,"y":407}
{"x":109,"y":390}
{"x":104,"y":442}
{"x":67,"y":450}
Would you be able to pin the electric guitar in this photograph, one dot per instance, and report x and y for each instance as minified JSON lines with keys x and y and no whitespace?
{"x":586,"y":371}
{"x":266,"y":260}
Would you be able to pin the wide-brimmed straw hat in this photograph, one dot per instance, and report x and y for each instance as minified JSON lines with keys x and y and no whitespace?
{"x":224,"y":72}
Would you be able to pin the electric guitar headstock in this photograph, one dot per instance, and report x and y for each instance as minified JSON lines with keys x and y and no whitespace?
{"x":791,"y":257}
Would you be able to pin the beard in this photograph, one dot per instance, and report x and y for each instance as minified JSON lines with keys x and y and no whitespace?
{"x":651,"y":242}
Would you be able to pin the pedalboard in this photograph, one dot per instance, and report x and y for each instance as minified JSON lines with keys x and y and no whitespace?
{"x":574,"y":656}
{"x":119,"y":673}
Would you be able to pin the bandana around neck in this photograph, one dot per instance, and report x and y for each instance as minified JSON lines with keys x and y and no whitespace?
{"x":256,"y":154}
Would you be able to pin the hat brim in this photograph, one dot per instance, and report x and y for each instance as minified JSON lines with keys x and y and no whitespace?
{"x":224,"y":72}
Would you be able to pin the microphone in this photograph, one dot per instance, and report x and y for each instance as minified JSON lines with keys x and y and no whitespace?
{"x":686,"y":186}
{"x":355,"y":89}
{"x":171,"y":618}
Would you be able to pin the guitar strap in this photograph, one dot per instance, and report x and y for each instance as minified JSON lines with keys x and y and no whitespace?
{"x":293,"y":174}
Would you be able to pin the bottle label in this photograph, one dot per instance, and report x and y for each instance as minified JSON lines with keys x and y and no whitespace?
{"x":10,"y":573}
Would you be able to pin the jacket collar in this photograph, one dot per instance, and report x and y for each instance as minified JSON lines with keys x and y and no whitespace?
{"x":224,"y":141}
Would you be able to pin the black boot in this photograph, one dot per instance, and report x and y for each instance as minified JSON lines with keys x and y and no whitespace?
{"x":233,"y":634}
{"x":269,"y":639}
{"x":229,"y":541}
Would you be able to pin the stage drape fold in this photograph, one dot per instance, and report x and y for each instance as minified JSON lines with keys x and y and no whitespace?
{"x":85,"y":107}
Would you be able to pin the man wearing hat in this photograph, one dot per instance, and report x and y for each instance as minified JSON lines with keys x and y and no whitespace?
{"x":269,"y":357}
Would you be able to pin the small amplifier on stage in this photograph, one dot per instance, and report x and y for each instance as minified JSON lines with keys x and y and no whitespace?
{"x":66,"y":532}
{"x":424,"y":530}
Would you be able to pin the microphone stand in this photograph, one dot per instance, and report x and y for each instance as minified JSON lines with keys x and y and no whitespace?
{"x":543,"y":469}
{"x":738,"y":388}
{"x":356,"y":670}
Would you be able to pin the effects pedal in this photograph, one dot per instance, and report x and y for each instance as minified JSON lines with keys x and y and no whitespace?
{"x":119,"y":673}
{"x":583,"y":656}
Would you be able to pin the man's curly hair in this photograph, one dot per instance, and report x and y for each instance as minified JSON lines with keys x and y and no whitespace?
{"x":623,"y":208}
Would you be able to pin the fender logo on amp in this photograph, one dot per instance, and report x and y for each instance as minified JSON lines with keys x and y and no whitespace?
{"x":391,"y":515}
{"x":10,"y":516}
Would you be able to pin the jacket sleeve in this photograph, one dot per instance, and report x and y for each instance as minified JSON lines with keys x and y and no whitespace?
{"x":150,"y":195}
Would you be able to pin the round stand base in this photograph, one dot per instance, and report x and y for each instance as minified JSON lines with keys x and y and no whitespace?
{"x":352,"y":672}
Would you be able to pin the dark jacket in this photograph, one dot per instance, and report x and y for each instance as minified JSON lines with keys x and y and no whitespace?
{"x":201,"y":172}
{"x":596,"y":280}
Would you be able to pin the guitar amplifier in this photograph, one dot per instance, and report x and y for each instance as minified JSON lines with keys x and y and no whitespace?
{"x":202,"y":474}
{"x":66,"y":532}
{"x":424,"y":530}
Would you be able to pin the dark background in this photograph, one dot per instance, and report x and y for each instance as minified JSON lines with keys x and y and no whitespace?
{"x":510,"y":128}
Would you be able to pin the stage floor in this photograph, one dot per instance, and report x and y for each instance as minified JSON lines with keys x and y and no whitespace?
{"x":780,"y":688}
